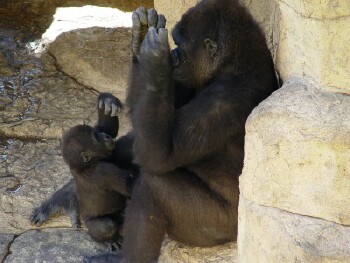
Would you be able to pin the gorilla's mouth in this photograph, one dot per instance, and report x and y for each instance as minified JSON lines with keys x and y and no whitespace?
{"x":109,"y":144}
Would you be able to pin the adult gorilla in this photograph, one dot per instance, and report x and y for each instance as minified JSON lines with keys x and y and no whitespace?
{"x":188,"y":109}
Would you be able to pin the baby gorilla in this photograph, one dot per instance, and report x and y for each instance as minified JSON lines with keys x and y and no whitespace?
{"x":101,"y":186}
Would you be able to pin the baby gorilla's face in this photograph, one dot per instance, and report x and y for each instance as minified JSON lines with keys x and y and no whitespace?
{"x":83,"y":144}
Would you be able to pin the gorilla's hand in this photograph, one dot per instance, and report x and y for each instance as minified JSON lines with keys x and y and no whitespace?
{"x":109,"y":105}
{"x":155,"y":56}
{"x":141,"y":21}
{"x":63,"y":202}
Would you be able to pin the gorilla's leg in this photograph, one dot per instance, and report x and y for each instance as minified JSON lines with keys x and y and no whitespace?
{"x":104,"y":229}
{"x":179,"y":204}
{"x":64,"y":201}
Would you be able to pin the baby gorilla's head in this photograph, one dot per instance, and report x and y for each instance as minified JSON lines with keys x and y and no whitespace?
{"x":84,"y":145}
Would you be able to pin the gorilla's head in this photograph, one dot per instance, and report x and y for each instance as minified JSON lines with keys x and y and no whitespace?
{"x":84,"y":145}
{"x":214,"y":37}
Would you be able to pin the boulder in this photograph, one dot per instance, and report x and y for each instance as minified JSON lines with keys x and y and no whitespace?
{"x":174,"y":252}
{"x":98,"y":58}
{"x":271,"y":235}
{"x":297,"y":152}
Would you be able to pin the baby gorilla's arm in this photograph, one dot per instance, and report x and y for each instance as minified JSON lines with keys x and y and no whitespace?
{"x":64,"y":201}
{"x":109,"y":176}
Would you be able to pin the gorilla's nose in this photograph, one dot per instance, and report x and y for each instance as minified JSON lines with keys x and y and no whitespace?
{"x":175,"y":57}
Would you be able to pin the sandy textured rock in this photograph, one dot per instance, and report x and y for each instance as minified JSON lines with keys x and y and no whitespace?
{"x":96,"y":57}
{"x":267,"y":15}
{"x":175,"y":252}
{"x":297,"y":152}
{"x":5,"y":241}
{"x":53,"y":245}
{"x":29,"y":173}
{"x":314,"y":42}
{"x":270,"y":235}
{"x":173,"y":10}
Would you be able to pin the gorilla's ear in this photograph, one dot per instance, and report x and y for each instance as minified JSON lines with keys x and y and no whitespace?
{"x":211,"y":47}
{"x":86,"y":157}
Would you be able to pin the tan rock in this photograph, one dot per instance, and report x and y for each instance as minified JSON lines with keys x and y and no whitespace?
{"x":267,"y":14}
{"x":174,"y":252}
{"x":98,"y":58}
{"x":270,"y":235}
{"x":297,"y":152}
{"x":314,"y":40}
{"x":173,"y":10}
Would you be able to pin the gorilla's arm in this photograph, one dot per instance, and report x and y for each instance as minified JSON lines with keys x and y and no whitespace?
{"x":108,"y":108}
{"x":180,"y":136}
{"x":64,"y":201}
{"x":142,"y":20}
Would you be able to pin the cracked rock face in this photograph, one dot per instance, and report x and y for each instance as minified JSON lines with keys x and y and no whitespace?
{"x":53,"y":245}
{"x":5,"y":242}
{"x":30,"y":172}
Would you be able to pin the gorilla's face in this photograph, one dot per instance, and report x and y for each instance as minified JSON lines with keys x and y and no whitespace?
{"x":194,"y":60}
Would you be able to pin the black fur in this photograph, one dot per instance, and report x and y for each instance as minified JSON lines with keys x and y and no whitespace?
{"x":191,"y":148}
{"x":188,"y":108}
{"x":101,"y":187}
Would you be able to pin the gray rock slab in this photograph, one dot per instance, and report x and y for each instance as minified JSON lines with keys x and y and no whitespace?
{"x":175,"y":252}
{"x":96,"y":57}
{"x":53,"y":245}
{"x":5,"y":241}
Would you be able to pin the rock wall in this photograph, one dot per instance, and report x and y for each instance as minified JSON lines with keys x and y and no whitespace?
{"x":295,"y":185}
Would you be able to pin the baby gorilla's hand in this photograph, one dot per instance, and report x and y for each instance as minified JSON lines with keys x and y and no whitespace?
{"x":109,"y":105}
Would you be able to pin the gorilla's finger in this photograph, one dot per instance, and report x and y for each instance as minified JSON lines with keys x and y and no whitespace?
{"x":152,"y":17}
{"x":107,"y":106}
{"x":163,"y":34}
{"x":136,"y":23}
{"x":115,"y":110}
{"x":161,"y":21}
{"x":152,"y":34}
{"x":142,"y":12}
{"x":100,"y":104}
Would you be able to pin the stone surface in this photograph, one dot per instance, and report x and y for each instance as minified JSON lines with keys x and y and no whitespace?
{"x":53,"y":245}
{"x":267,"y":15}
{"x":29,"y":173}
{"x":297,"y":152}
{"x":44,"y":107}
{"x":175,"y":252}
{"x":5,"y":241}
{"x":314,"y":40}
{"x":173,"y":10}
{"x":270,"y":235}
{"x":96,"y":57}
